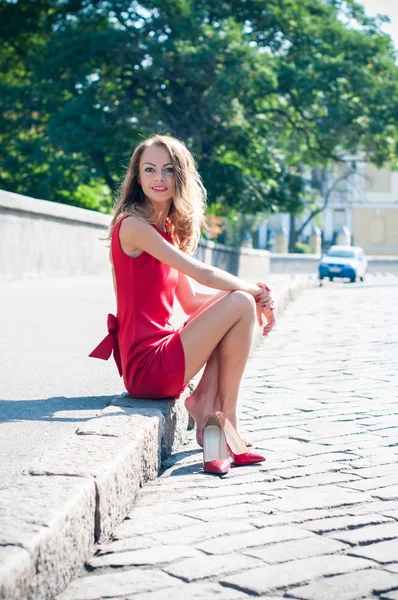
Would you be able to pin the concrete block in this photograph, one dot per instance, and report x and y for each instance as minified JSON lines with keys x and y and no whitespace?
{"x":132,"y":528}
{"x":250,"y":539}
{"x":391,"y":568}
{"x":382,"y":552}
{"x":360,"y":584}
{"x":387,"y":493}
{"x":194,"y":591}
{"x":314,"y":498}
{"x":296,"y":549}
{"x":371,"y":533}
{"x":202,"y":567}
{"x":333,"y":524}
{"x":262,"y":580}
{"x":186,"y":535}
{"x":112,"y":455}
{"x":117,"y":465}
{"x":145,"y":556}
{"x":201,"y":532}
{"x":46,"y":534}
{"x":120,"y":583}
{"x":15,"y":572}
{"x":175,"y":418}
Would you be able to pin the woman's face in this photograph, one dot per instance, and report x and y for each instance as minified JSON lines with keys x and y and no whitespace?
{"x":157,"y":175}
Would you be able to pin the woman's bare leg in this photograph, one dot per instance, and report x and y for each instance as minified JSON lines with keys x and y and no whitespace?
{"x":203,"y":399}
{"x":232,"y":365}
{"x":227,"y":325}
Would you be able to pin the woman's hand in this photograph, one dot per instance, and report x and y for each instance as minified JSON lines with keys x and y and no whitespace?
{"x":264,"y":297}
{"x":265,"y":306}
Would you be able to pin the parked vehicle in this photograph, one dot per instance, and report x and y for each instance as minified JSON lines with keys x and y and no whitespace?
{"x":345,"y":262}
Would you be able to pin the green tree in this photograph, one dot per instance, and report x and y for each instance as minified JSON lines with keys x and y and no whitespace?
{"x":255,"y":88}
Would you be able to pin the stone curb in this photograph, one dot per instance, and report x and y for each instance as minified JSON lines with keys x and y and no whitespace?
{"x":74,"y":496}
{"x":292,"y":291}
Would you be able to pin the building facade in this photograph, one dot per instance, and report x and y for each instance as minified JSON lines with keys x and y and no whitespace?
{"x":367,"y":204}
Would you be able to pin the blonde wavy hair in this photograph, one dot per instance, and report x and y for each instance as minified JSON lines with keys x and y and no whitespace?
{"x":186,"y":215}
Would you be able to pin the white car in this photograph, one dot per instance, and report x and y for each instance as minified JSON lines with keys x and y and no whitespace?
{"x":343,"y":262}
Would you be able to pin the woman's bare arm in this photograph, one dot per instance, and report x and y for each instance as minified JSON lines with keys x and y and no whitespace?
{"x":135,"y":232}
{"x":188,"y":296}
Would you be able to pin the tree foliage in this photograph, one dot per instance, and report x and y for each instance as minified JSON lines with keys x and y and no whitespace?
{"x":256,"y":88}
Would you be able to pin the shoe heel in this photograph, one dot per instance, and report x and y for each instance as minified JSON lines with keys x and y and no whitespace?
{"x":215,"y":450}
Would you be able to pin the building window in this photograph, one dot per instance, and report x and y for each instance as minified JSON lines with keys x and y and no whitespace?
{"x":339,"y":219}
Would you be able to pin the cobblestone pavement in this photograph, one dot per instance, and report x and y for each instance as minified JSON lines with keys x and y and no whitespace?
{"x":319,"y":519}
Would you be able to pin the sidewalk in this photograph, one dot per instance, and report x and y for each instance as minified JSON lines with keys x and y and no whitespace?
{"x":319,"y":519}
{"x":74,"y":451}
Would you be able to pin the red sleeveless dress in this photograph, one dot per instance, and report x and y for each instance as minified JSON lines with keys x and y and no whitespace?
{"x":147,"y":350}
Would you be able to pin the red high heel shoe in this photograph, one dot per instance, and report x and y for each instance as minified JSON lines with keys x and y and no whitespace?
{"x":236,"y":446}
{"x":215,"y":451}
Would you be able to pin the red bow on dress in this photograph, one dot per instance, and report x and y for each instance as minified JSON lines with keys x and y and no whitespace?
{"x":109,"y":344}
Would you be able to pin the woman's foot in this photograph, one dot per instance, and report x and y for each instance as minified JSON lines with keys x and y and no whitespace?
{"x":199,"y":407}
{"x":248,"y":443}
{"x":233,"y":419}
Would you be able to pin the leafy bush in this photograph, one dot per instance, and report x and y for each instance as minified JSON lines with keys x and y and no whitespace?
{"x":302,"y":248}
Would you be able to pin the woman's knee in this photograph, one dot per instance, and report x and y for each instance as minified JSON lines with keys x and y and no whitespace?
{"x":244,"y":299}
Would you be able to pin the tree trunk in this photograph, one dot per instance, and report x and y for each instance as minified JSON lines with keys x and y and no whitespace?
{"x":292,"y":234}
{"x":99,"y":159}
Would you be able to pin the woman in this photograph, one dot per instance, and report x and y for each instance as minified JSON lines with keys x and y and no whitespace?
{"x":155,"y":228}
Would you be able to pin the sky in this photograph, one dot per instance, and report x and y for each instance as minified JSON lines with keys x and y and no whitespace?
{"x":384,"y":7}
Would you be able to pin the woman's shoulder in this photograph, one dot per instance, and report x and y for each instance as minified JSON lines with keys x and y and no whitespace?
{"x":132,"y":223}
{"x":131,"y":229}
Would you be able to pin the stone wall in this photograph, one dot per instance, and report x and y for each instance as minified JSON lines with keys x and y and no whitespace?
{"x":244,"y":262}
{"x":290,"y":264}
{"x":47,"y":239}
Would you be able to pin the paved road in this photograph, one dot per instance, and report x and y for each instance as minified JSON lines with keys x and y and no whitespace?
{"x":48,"y":385}
{"x":319,"y":519}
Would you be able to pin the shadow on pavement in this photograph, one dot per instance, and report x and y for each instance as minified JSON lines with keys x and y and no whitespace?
{"x":51,"y":409}
{"x":187,"y":470}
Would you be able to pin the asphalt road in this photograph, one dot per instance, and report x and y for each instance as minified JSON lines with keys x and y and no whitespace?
{"x":48,"y":385}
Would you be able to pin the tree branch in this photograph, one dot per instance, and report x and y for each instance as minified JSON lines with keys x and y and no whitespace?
{"x":326,"y":199}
